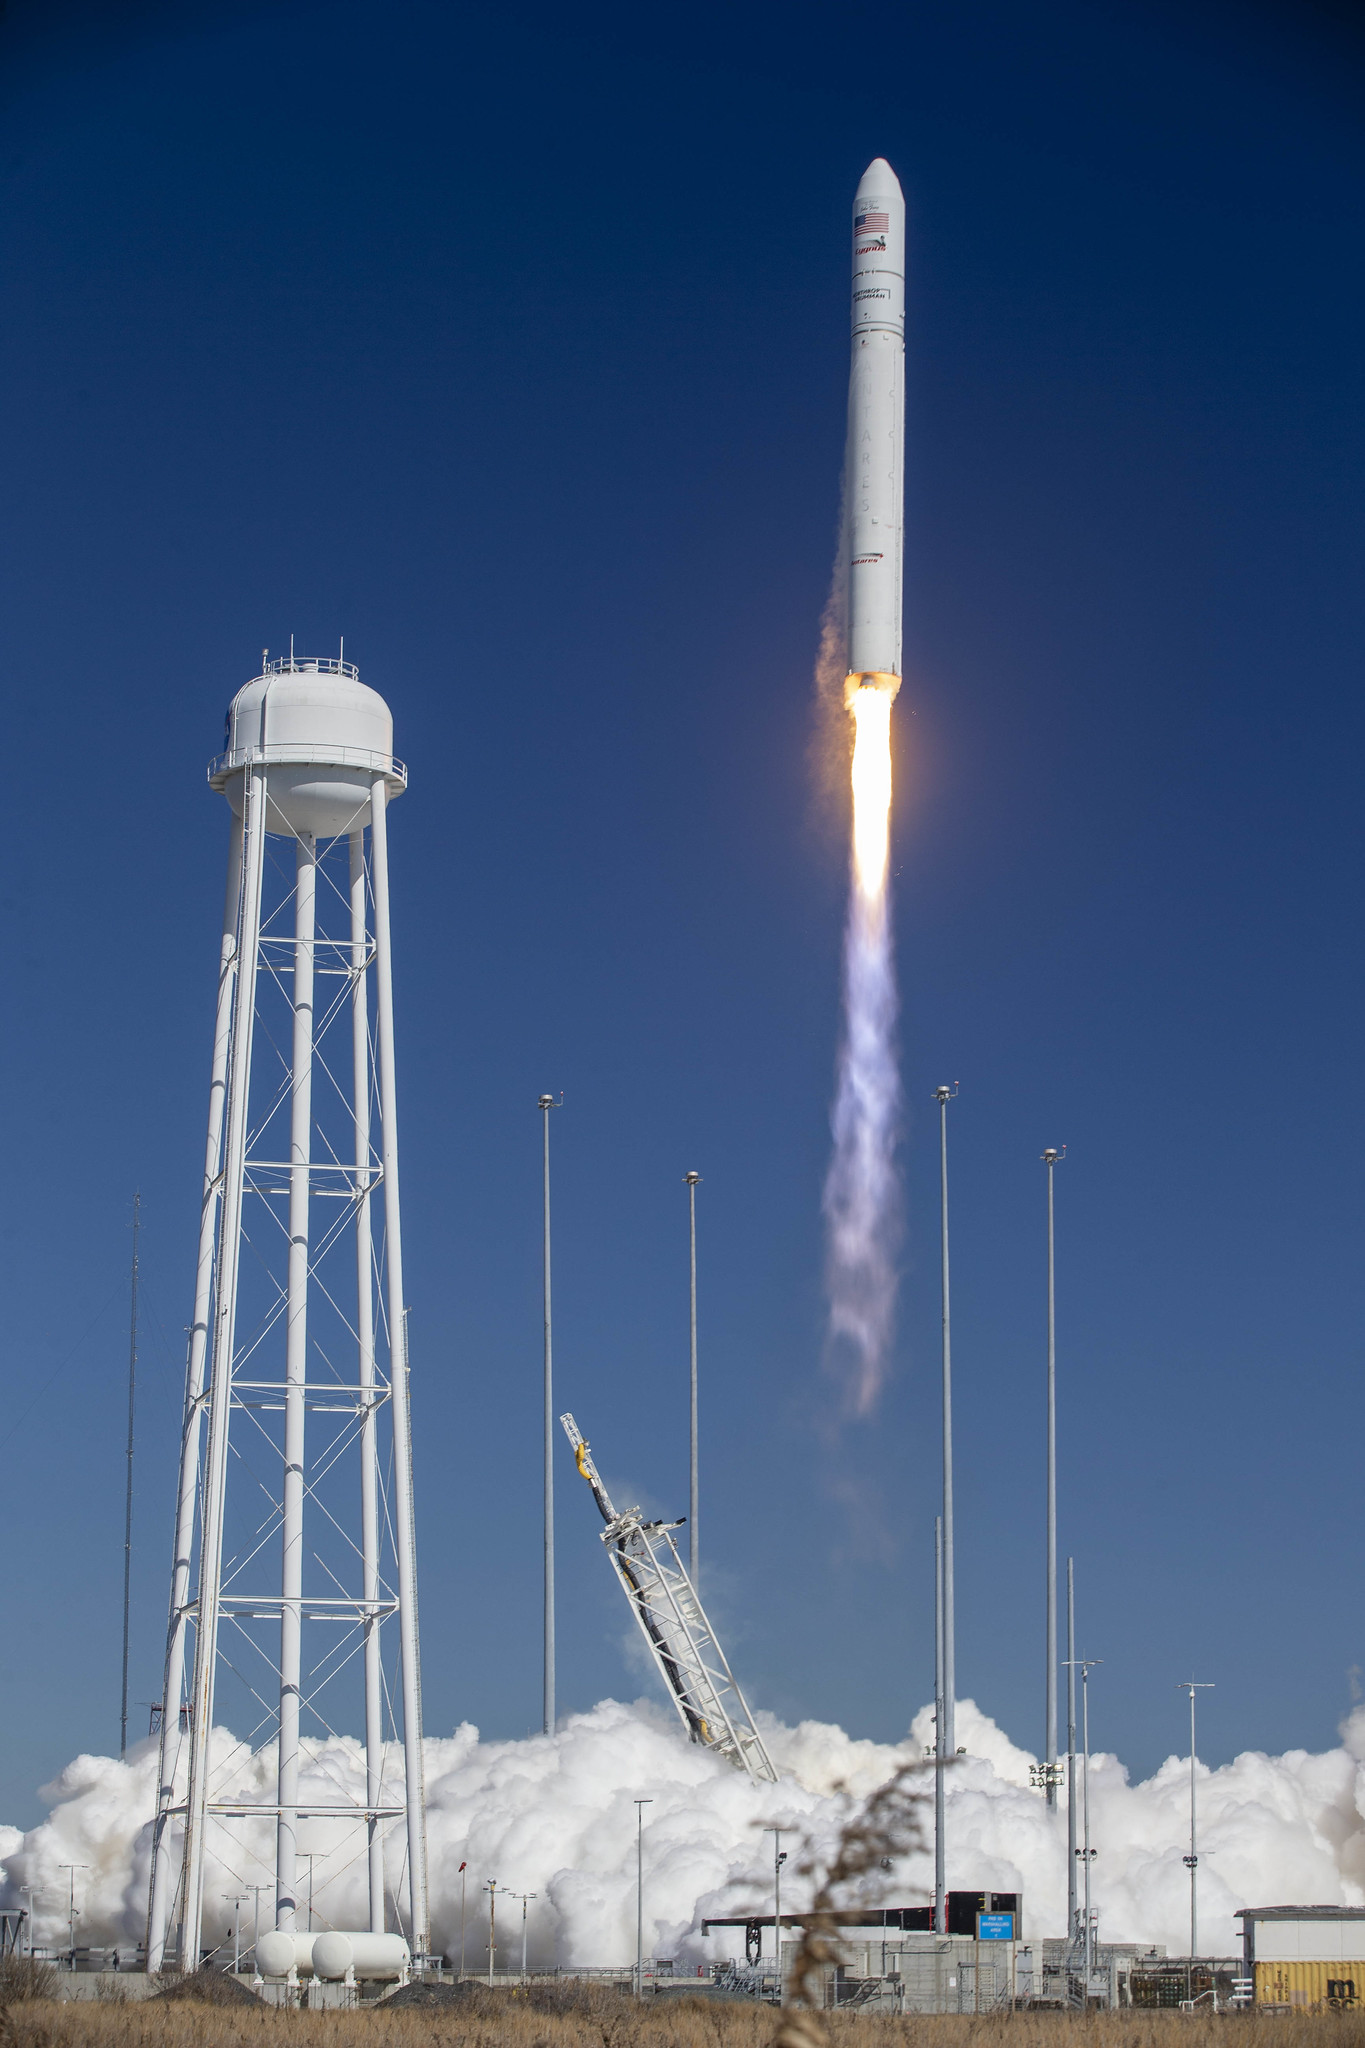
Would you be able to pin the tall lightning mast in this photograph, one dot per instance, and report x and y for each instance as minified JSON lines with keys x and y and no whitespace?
{"x":128,"y":1482}
{"x":1051,"y":1159}
{"x":296,"y":1421}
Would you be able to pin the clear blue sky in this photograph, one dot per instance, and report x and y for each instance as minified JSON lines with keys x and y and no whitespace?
{"x":511,"y":344}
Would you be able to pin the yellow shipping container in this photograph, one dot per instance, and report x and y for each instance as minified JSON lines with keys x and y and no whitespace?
{"x":1315,"y":1987}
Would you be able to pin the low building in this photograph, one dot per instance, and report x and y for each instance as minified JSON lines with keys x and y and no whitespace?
{"x":1311,"y":1958}
{"x":890,"y":1959}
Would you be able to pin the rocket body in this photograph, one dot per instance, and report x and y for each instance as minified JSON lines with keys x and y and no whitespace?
{"x":874,"y":484}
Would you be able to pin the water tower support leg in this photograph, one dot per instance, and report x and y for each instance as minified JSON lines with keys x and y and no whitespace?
{"x":419,"y":1931}
{"x":159,"y":1905}
{"x":220,"y":1382}
{"x":295,"y":1376}
{"x":369,"y":1440}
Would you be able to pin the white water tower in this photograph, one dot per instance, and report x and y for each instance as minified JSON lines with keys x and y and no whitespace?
{"x":294,"y":1542}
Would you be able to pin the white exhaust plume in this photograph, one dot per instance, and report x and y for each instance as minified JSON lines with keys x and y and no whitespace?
{"x":862,"y":1189}
{"x":554,"y":1815}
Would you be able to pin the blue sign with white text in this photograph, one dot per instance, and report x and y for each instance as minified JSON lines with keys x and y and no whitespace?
{"x":995,"y":1927}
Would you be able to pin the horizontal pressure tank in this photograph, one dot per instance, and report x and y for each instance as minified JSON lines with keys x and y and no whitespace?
{"x":277,"y":1953}
{"x":370,"y":1957}
{"x":323,"y":736}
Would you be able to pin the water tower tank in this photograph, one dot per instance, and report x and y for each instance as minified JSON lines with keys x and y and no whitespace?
{"x":322,"y":734}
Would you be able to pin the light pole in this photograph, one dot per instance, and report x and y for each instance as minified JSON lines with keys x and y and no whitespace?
{"x":73,"y":1868}
{"x":640,"y":1805}
{"x":940,"y":1751}
{"x":493,"y":1896}
{"x":779,"y":1858}
{"x":128,"y":1489}
{"x":33,"y":1891}
{"x":524,"y":1897}
{"x":256,"y":1890}
{"x":694,"y":1491}
{"x":1192,"y":1686}
{"x":1070,"y":1749}
{"x":464,"y":1880}
{"x":943,"y":1096}
{"x":547,"y":1103}
{"x":237,"y":1901}
{"x":1051,"y":1159}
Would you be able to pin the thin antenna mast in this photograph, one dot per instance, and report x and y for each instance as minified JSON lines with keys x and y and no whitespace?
{"x":545,"y":1105}
{"x":1051,"y":1159}
{"x":694,"y":1479}
{"x":1192,"y":1686}
{"x":940,"y":1745}
{"x":943,"y":1096}
{"x":1072,"y":1850}
{"x":128,"y":1492}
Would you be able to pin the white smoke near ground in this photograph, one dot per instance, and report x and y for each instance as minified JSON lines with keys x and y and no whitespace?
{"x":554,"y":1815}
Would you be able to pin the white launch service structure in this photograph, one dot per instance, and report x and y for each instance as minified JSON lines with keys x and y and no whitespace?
{"x":295,"y":1499}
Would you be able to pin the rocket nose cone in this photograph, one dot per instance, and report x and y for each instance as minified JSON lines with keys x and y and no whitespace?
{"x":878,"y":179}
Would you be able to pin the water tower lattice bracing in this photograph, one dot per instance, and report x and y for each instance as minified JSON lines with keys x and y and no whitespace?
{"x":293,"y":1607}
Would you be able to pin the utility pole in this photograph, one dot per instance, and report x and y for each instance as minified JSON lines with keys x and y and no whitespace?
{"x":464,"y":1879}
{"x":493,"y":1896}
{"x":779,"y":1858}
{"x":1051,"y":1159}
{"x":524,"y":1897}
{"x":128,"y":1488}
{"x":256,"y":1890}
{"x":237,"y":1901}
{"x":640,"y":1806}
{"x":1192,"y":1686}
{"x":943,"y":1096}
{"x":940,"y":1752}
{"x":1070,"y":1749}
{"x":547,"y":1103}
{"x":694,"y":1491}
{"x":73,"y":1868}
{"x":34,"y":1893}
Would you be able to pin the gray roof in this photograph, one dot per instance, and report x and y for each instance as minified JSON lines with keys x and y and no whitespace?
{"x":1300,"y":1913}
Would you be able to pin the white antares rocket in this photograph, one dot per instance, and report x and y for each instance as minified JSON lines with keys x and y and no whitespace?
{"x":874,"y":485}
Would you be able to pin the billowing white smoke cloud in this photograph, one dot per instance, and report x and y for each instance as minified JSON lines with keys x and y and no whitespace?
{"x":554,"y":1816}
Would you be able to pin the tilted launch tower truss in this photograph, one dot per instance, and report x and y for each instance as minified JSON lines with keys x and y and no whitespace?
{"x":673,"y":1622}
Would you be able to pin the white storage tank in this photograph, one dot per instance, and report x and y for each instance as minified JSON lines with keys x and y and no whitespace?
{"x":366,"y":1958}
{"x":279,"y":1954}
{"x":322,"y":734}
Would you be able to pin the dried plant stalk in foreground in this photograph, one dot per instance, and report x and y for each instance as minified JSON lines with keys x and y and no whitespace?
{"x":887,"y":1825}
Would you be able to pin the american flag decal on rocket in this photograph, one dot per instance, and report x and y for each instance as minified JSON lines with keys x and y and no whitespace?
{"x":871,"y":223}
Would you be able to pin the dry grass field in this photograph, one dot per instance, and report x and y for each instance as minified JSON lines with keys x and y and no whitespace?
{"x":602,"y":2017}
